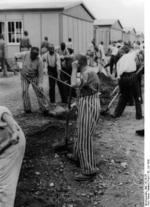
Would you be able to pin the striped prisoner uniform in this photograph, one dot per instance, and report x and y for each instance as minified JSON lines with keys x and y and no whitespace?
{"x":32,"y":73}
{"x":88,"y":115}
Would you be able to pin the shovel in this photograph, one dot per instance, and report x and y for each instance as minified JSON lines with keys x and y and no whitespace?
{"x":63,"y":146}
{"x":104,"y":112}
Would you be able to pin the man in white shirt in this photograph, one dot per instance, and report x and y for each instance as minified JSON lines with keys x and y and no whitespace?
{"x":142,"y":46}
{"x":102,"y":52}
{"x":54,"y":69}
{"x":126,"y":64}
{"x":69,"y":43}
{"x":112,"y":63}
{"x":91,"y":53}
{"x":128,"y":84}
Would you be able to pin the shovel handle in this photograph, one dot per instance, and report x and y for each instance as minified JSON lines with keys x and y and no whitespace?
{"x":68,"y":116}
{"x":112,"y":101}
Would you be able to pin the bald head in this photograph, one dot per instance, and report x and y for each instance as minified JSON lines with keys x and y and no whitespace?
{"x":51,"y":49}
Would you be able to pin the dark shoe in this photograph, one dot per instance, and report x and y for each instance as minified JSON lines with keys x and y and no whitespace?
{"x":82,"y":177}
{"x":104,"y":112}
{"x":28,"y":111}
{"x":140,"y":132}
{"x":130,"y":104}
{"x":113,"y":116}
{"x":46,"y":113}
{"x":139,"y":117}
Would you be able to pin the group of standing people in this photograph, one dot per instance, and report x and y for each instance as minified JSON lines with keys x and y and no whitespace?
{"x":58,"y":63}
{"x":88,"y":84}
{"x":12,"y":140}
{"x":57,"y":68}
{"x":97,"y":54}
{"x":127,"y":64}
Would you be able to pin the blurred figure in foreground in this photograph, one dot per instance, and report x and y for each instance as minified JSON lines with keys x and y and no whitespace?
{"x":12,"y":148}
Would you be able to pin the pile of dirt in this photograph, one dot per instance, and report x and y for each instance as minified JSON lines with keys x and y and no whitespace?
{"x":46,"y":178}
{"x":107,"y":85}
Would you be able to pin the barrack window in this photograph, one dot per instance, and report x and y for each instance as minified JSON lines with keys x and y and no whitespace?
{"x":14,"y":31}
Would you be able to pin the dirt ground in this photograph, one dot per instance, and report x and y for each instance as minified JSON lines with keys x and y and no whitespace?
{"x":47,"y":178}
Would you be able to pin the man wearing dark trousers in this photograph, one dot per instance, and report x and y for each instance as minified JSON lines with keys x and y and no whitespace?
{"x":64,"y":54}
{"x":140,"y":132}
{"x":54,"y":69}
{"x":112,"y":63}
{"x":128,"y":84}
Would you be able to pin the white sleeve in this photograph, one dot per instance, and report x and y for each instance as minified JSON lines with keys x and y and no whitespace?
{"x":21,"y":54}
{"x":3,"y":110}
{"x":118,"y":69}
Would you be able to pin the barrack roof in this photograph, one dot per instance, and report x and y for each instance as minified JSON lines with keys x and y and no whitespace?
{"x":107,"y":22}
{"x":53,"y":5}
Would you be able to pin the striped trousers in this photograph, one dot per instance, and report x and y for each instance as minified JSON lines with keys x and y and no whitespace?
{"x":88,"y":115}
{"x":43,"y":103}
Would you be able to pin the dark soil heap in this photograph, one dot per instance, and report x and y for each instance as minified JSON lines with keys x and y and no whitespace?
{"x":107,"y":85}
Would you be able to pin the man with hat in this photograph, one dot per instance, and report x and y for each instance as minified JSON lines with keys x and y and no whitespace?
{"x":32,"y":73}
{"x":12,"y":148}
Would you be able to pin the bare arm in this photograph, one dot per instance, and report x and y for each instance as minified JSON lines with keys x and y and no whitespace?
{"x":74,"y":80}
{"x":10,"y":122}
{"x":13,"y":126}
{"x":21,"y":55}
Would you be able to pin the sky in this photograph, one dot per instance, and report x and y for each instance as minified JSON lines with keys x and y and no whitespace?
{"x":129,"y":12}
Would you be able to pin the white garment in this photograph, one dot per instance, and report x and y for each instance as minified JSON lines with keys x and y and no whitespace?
{"x":91,"y":47}
{"x":118,"y":45}
{"x":136,"y":46}
{"x":114,"y":50}
{"x":141,"y":46}
{"x":69,"y":45}
{"x":126,"y":63}
{"x":10,"y":165}
{"x":52,"y":60}
{"x":2,"y":110}
{"x":93,"y":69}
{"x":101,"y":49}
